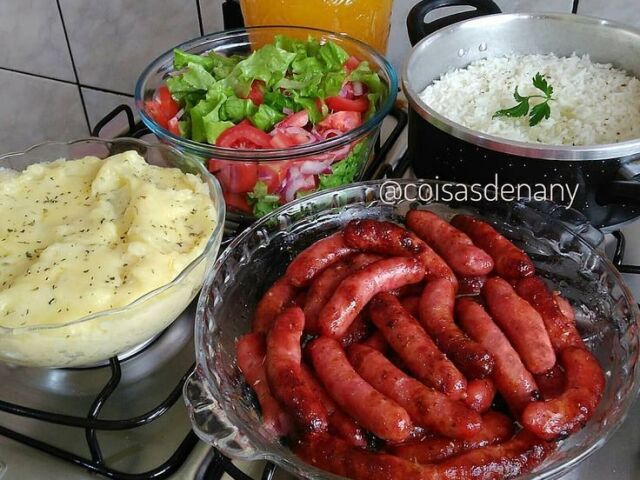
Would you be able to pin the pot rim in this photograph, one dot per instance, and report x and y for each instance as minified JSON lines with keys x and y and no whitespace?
{"x":521,"y":149}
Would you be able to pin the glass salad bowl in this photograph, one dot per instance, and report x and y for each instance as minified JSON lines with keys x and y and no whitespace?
{"x":256,"y":181}
{"x":222,"y":408}
{"x":103,"y":334}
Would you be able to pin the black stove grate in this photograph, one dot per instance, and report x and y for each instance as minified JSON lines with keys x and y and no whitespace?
{"x":218,"y":463}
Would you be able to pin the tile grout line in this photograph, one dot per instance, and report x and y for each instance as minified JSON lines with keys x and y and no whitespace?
{"x":67,"y":82}
{"x":73,"y":66}
{"x":574,"y":7}
{"x":200,"y":23}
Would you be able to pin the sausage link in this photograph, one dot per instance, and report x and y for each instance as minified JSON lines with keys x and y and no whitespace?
{"x":284,"y":372}
{"x":436,"y":316}
{"x":339,"y":423}
{"x":454,"y":246}
{"x":326,"y":283}
{"x":501,"y":461}
{"x":280,"y":296}
{"x":377,"y":342}
{"x":562,"y":331}
{"x":471,"y":285}
{"x":496,"y":428}
{"x":510,"y":262}
{"x":315,"y":258}
{"x":355,"y":291}
{"x":251,"y":351}
{"x":427,"y":408}
{"x":480,"y":394}
{"x":521,"y":323}
{"x":391,"y":239}
{"x":338,"y":457}
{"x":415,"y":348}
{"x":411,"y":305}
{"x":514,"y":382}
{"x":551,"y":384}
{"x":357,"y":331}
{"x":570,"y":411}
{"x":370,"y":408}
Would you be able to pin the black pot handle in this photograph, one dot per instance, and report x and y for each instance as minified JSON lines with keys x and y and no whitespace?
{"x":418,"y":29}
{"x":623,"y":191}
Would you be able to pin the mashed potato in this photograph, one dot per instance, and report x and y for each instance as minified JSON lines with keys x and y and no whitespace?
{"x":83,"y":236}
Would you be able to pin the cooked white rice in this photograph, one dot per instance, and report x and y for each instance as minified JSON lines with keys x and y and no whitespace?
{"x":594,"y":103}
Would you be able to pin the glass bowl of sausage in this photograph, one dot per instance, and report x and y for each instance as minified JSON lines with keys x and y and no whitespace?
{"x":350,"y":335}
{"x":275,"y":113}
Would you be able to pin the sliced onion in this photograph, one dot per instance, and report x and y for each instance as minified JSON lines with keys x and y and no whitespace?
{"x":358,"y":89}
{"x":315,"y":167}
{"x":296,"y":181}
{"x":287,"y":111}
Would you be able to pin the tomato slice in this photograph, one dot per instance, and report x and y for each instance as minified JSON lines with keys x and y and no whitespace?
{"x":339,"y":104}
{"x":343,"y":121}
{"x":256,"y":95}
{"x":234,"y":177}
{"x":351,"y":63}
{"x":299,"y":119}
{"x":237,"y":201}
{"x":282,"y":140}
{"x":163,"y":107}
{"x":244,"y":135}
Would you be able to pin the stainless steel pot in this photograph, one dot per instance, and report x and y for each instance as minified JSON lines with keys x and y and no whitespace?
{"x":607,"y":175}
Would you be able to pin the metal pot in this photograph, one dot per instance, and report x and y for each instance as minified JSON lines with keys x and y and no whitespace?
{"x":607,"y":176}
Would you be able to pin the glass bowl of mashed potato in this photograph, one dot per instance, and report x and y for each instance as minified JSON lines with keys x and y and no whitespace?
{"x":103,"y":244}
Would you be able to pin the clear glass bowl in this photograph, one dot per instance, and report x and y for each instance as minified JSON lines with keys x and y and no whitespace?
{"x":221,"y":406}
{"x":242,"y":42}
{"x":101,"y":335}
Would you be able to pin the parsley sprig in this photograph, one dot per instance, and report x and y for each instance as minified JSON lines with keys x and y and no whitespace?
{"x":537,"y":112}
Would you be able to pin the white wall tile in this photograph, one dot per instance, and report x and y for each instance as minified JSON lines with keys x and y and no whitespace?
{"x":113,"y":41}
{"x":100,"y":103}
{"x":36,"y":109}
{"x":212,"y":20}
{"x":625,"y":11}
{"x":399,"y":46}
{"x":32,"y":38}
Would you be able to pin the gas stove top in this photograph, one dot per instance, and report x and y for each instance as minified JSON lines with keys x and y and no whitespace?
{"x":126,"y":420}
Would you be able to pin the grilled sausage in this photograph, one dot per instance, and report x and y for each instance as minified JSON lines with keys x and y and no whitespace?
{"x":251,"y":351}
{"x":510,"y":262}
{"x":415,"y":348}
{"x":562,"y":331}
{"x":370,"y":408}
{"x":355,"y":291}
{"x":514,"y":382}
{"x":284,"y":372}
{"x":428,"y":408}
{"x":315,"y":258}
{"x":561,"y":416}
{"x":454,"y":246}
{"x":521,"y":323}
{"x":436,"y":316}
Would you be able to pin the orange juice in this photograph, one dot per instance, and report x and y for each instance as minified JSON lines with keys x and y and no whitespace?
{"x":366,"y":20}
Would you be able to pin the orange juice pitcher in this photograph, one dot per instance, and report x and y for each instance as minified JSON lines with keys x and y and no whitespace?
{"x":366,"y":20}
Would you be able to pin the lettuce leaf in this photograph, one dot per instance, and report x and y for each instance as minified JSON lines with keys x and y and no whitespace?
{"x":344,"y":171}
{"x":266,"y":117}
{"x":237,"y":109}
{"x":261,"y":200}
{"x":181,"y":59}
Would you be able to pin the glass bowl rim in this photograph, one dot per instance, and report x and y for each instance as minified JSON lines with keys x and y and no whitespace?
{"x":546,"y":473}
{"x":267,"y":154}
{"x":220,"y":215}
